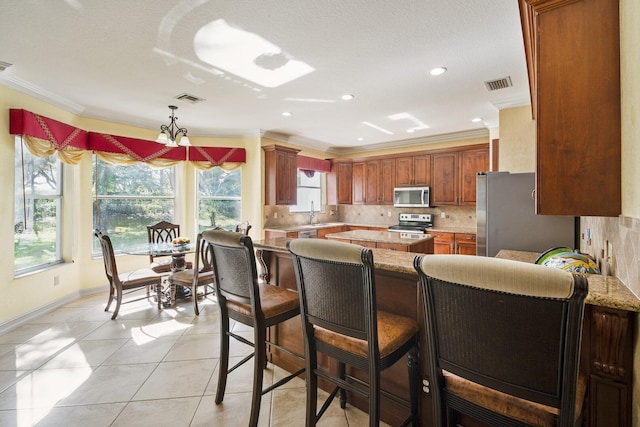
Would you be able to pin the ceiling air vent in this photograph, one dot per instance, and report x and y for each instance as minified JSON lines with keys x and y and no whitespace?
{"x":4,"y":65}
{"x":189,"y":98}
{"x":498,"y":83}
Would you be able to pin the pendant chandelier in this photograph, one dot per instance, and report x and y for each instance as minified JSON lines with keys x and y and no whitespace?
{"x":169,"y":134}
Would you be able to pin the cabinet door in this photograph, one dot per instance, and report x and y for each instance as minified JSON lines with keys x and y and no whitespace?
{"x":422,"y":170}
{"x":387,"y":181}
{"x":393,"y":246}
{"x":570,"y":46}
{"x":443,"y":242}
{"x":404,"y":171}
{"x":344,"y":183}
{"x":372,"y":174}
{"x":471,"y":162}
{"x":358,"y":183}
{"x":465,"y":243}
{"x":444,"y":182}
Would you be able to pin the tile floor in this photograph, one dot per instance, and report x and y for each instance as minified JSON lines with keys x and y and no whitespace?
{"x":76,"y":367}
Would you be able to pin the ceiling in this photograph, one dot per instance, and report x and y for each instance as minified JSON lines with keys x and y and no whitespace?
{"x":127,"y":61}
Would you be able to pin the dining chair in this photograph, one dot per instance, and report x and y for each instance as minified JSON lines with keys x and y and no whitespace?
{"x":201,"y":275}
{"x":163,"y":232}
{"x":243,"y":228}
{"x":125,"y":283}
{"x":336,"y":285}
{"x":243,"y":299}
{"x":504,"y":339}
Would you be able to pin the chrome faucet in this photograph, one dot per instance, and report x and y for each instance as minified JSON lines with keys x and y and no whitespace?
{"x":311,"y":213}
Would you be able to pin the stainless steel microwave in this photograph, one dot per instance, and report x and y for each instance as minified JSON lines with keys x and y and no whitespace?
{"x":411,"y":197}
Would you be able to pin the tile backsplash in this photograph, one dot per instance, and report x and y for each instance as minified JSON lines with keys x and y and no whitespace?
{"x":383,"y":216}
{"x":623,"y":235}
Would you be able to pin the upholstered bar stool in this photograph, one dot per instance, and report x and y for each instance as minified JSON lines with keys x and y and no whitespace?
{"x":243,"y":299}
{"x":341,"y":320}
{"x":504,"y":337}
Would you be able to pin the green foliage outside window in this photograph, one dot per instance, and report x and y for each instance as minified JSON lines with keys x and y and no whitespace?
{"x":219,"y":201}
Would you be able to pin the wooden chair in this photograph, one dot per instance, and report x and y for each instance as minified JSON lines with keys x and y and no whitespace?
{"x":243,"y":299}
{"x":130,"y":282}
{"x":504,"y":338}
{"x":340,"y":319}
{"x":189,"y":279}
{"x":163,"y":232}
{"x":243,"y":228}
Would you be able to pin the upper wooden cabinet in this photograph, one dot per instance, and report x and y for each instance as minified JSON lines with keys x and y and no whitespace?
{"x":280,"y":176}
{"x":339,"y":183}
{"x":358,"y":183}
{"x":413,"y":171}
{"x":453,"y":180}
{"x":573,"y":56}
{"x":379,"y":181}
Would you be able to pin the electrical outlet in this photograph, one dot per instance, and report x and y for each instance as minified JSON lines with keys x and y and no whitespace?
{"x":609,"y":252}
{"x":275,"y":215}
{"x":443,"y":215}
{"x":56,"y":280}
{"x":388,"y":213}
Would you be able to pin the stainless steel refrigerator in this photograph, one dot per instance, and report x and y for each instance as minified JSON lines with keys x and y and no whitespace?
{"x":506,"y":218}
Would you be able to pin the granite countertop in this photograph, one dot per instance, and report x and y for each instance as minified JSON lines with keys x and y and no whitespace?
{"x":380,"y":236}
{"x":302,"y":227}
{"x":604,"y":291}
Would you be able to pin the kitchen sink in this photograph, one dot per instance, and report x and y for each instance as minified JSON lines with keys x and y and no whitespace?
{"x":320,"y":225}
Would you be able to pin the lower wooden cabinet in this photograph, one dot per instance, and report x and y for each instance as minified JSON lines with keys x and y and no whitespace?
{"x":465,"y":244}
{"x":453,"y":243}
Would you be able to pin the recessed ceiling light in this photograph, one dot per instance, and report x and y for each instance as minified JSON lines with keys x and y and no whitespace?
{"x":286,"y":113}
{"x":477,"y":120}
{"x":347,"y":97}
{"x":361,"y":139}
{"x":411,"y":130}
{"x":437,"y":71}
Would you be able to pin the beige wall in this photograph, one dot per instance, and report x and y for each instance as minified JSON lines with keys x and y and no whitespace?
{"x":517,"y":151}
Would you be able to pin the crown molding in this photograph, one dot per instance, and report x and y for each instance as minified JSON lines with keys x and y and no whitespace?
{"x":41,"y":94}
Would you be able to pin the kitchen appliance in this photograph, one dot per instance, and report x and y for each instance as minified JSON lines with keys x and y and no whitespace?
{"x":411,"y":197}
{"x":506,"y":218}
{"x":412,"y":223}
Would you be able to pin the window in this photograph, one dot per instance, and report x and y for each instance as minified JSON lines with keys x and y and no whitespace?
{"x":38,"y":210}
{"x":310,"y":190}
{"x":127,"y":198}
{"x":219,"y":199}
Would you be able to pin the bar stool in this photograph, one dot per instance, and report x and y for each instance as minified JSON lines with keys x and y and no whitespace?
{"x":340,"y":319}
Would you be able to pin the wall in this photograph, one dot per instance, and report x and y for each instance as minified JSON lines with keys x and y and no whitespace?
{"x":80,"y":274}
{"x":517,"y":140}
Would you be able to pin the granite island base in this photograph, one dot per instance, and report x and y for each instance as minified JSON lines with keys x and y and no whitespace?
{"x":607,"y":350}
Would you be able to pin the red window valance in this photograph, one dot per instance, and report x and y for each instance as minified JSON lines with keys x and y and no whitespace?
{"x":138,"y":149}
{"x":60,"y":135}
{"x":312,"y":164}
{"x":217,"y":155}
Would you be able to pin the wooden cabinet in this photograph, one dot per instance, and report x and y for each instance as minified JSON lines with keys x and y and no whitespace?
{"x":358,"y":183}
{"x":453,"y":180}
{"x":273,"y":234}
{"x":413,"y":171}
{"x":443,"y":242}
{"x":573,"y":57}
{"x":471,"y":162}
{"x":322,"y":232}
{"x":465,"y":244}
{"x":281,"y":175}
{"x":453,"y":243}
{"x":339,"y":183}
{"x":379,"y":181}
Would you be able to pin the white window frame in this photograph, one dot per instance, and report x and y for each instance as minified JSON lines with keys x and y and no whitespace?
{"x":200,"y":197}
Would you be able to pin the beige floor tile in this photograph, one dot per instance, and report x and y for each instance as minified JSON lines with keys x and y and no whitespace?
{"x":85,"y":353}
{"x":142,"y":351}
{"x":177,"y":379}
{"x":8,"y":378}
{"x":110,"y":384}
{"x":194,"y":347}
{"x":43,"y":388}
{"x":234,"y":411}
{"x":86,"y":415}
{"x":241,"y":379}
{"x":162,"y":412}
{"x":119,"y":328}
{"x":24,"y":333}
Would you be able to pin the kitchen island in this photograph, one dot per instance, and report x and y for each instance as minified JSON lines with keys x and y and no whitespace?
{"x":406,"y":242}
{"x":607,"y":346}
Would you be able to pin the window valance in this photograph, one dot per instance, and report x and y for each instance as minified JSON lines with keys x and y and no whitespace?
{"x":44,"y":136}
{"x":313,"y":164}
{"x":124,"y":150}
